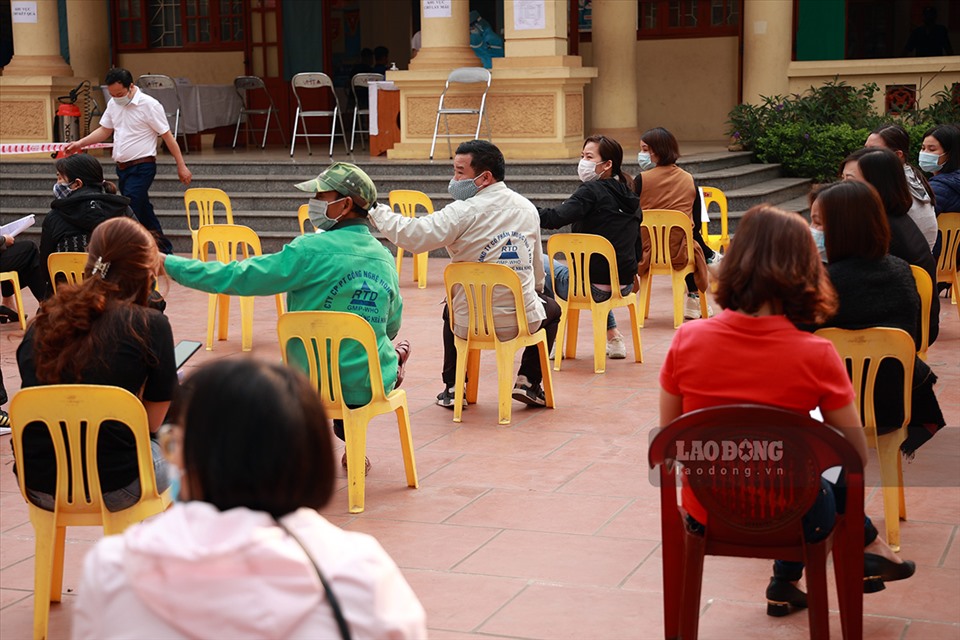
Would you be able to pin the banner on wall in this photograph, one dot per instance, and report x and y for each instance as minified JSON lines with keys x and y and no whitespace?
{"x":585,"y":15}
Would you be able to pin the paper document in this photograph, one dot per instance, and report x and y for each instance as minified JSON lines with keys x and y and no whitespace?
{"x":16,"y":227}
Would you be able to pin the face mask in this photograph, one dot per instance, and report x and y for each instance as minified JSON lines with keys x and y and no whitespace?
{"x":463,"y":189}
{"x":317,"y":210}
{"x":643,"y":159}
{"x":587,"y":170}
{"x":929,"y":162}
{"x":123,"y":100}
{"x":819,"y":241}
{"x":61,"y":190}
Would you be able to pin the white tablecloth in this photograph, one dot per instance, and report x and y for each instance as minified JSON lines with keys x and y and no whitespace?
{"x":386,"y":85}
{"x":203,"y":106}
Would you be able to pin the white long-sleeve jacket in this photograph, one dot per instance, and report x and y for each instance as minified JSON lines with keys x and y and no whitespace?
{"x":496,"y":225}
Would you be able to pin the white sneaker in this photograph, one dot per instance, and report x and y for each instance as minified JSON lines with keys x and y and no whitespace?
{"x":616,"y":349}
{"x":691,"y":307}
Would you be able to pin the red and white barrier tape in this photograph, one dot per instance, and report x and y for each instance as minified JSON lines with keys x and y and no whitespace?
{"x":44,"y":147}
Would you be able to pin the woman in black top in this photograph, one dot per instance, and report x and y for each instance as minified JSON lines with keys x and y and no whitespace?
{"x":604,"y":205}
{"x":102,"y":332}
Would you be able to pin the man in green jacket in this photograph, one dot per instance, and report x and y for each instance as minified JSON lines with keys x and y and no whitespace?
{"x":342,"y":267}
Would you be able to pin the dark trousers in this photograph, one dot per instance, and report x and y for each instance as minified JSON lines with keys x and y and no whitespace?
{"x":135,"y":184}
{"x":707,"y":253}
{"x":24,"y":258}
{"x":529,"y":361}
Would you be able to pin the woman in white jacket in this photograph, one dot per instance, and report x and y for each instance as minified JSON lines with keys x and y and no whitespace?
{"x":247,"y":555}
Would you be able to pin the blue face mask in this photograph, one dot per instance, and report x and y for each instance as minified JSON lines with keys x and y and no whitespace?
{"x":929,"y":162}
{"x":643,"y":159}
{"x":463,"y":189}
{"x":819,"y":241}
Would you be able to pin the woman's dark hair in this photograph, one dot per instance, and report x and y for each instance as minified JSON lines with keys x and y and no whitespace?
{"x":255,"y":436}
{"x":854,"y":222}
{"x":884,"y":171}
{"x":73,"y":328}
{"x":948,"y":135}
{"x":896,"y":139}
{"x":662,"y":143}
{"x":85,"y":168}
{"x":117,"y":74}
{"x":773,"y":258}
{"x":484,"y":156}
{"x":611,"y":150}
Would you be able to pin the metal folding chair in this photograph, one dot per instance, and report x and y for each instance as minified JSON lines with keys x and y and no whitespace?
{"x":463,"y":75}
{"x":361,"y":80}
{"x":153,"y":81}
{"x":244,"y":85}
{"x":316,"y":80}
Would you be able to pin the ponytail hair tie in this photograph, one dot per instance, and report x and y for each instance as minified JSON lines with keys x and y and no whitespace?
{"x":100,"y":266}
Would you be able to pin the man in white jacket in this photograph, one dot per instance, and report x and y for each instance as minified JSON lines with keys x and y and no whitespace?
{"x":487,"y":222}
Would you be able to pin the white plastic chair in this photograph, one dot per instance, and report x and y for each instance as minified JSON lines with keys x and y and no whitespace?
{"x":316,"y":80}
{"x":463,"y":75}
{"x":154,"y":81}
{"x":361,"y":80}
{"x":244,"y":85}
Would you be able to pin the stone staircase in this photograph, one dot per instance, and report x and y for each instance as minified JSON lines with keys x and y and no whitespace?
{"x":263,"y":198}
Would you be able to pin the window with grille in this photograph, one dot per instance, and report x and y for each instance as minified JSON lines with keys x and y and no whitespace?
{"x":688,"y":18}
{"x":178,"y":24}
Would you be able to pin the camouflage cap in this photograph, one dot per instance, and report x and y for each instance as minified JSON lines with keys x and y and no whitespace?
{"x":346,"y":179}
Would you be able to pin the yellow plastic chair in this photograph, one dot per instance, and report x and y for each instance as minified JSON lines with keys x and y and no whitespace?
{"x":14,"y":280}
{"x":949,"y":225}
{"x":303,"y":219}
{"x":229,"y":241}
{"x":863,"y":350}
{"x":204,"y":199}
{"x":659,"y":223}
{"x":578,"y":249}
{"x":406,"y":202}
{"x":925,"y":289}
{"x":81,"y":409}
{"x":70,"y":264}
{"x":708,"y":196}
{"x":478,"y":280}
{"x":322,"y":334}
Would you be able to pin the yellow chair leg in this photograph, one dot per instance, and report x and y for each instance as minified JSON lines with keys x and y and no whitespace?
{"x":644,"y":294}
{"x":18,"y":296}
{"x":406,"y":445}
{"x":573,"y":328}
{"x":888,"y":453}
{"x":600,"y":337}
{"x":196,"y":249}
{"x":504,"y":381}
{"x":399,"y":260}
{"x":458,"y":386}
{"x":635,"y":330}
{"x":355,"y":434}
{"x":679,"y":292}
{"x":547,"y":376}
{"x":223,"y":321}
{"x":281,"y":306}
{"x":473,"y":375}
{"x":56,"y":575}
{"x":211,"y":318}
{"x":42,"y":574}
{"x":704,"y":310}
{"x":246,"y":323}
{"x":420,"y":269}
{"x":559,"y":345}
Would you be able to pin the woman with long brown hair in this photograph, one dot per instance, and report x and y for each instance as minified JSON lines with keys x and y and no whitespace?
{"x":102,"y":332}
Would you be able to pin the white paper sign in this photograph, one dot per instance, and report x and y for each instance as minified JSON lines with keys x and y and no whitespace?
{"x":529,"y":14}
{"x":24,"y":10}
{"x":437,"y":8}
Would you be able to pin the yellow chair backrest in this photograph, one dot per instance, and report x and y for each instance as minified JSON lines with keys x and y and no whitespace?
{"x":577,"y":249}
{"x":322,"y":334}
{"x":14,"y":280}
{"x":69,"y":263}
{"x":659,"y":224}
{"x":228,"y":241}
{"x":925,"y":290}
{"x":713,"y":195}
{"x":406,"y":201}
{"x":205,"y":199}
{"x":303,"y":219}
{"x":82,"y":409}
{"x":949,"y":225}
{"x":478,"y":281}
{"x":863,"y":350}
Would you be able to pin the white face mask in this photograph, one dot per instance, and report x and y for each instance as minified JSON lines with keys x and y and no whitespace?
{"x":587,"y":170}
{"x":643,"y":159}
{"x":317,"y":210}
{"x":929,"y":162}
{"x":123,"y":100}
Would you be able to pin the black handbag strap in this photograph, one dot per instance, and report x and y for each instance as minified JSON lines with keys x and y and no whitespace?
{"x":332,"y":599}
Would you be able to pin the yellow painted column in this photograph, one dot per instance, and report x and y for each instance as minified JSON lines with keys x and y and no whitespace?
{"x":89,"y":25}
{"x":551,"y":40}
{"x":767,"y":38}
{"x":445,"y":40}
{"x":36,"y":45}
{"x":614,"y":92}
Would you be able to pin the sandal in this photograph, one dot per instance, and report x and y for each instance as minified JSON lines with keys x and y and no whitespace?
{"x":403,"y":352}
{"x":8,"y":315}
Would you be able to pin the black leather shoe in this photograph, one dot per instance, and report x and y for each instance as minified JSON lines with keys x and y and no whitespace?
{"x":781,"y":595}
{"x":877,"y":570}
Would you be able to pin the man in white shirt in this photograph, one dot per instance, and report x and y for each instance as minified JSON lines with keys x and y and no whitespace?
{"x":135,"y":120}
{"x":488,"y":223}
